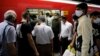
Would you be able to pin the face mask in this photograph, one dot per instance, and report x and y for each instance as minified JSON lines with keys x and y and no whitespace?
{"x":78,"y":13}
{"x":97,"y":20}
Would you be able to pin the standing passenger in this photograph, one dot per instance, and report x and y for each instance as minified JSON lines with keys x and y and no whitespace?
{"x":84,"y":39}
{"x":8,"y":34}
{"x":96,"y":32}
{"x":26,"y":45}
{"x":65,"y":35}
{"x":56,"y":27}
{"x":44,"y":36}
{"x":49,"y":19}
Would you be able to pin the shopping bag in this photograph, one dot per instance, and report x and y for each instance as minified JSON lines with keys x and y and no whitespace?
{"x":69,"y":51}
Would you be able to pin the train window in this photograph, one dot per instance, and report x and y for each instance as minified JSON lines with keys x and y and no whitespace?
{"x":35,"y":13}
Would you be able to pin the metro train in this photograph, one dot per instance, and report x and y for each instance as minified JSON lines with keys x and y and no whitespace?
{"x":21,"y":5}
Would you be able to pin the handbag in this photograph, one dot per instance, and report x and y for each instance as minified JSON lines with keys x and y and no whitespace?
{"x":69,"y":51}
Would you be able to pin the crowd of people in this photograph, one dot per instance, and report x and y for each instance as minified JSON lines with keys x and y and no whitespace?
{"x":51,"y":34}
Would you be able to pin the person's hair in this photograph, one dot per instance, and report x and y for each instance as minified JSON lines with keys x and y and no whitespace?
{"x":9,"y":15}
{"x":64,"y":18}
{"x":95,"y":13}
{"x":42,"y":18}
{"x":57,"y":14}
{"x":83,"y":6}
{"x":25,"y":15}
{"x":47,"y":14}
{"x":9,"y":18}
{"x":75,"y":17}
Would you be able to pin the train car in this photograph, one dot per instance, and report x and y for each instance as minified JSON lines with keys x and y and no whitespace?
{"x":68,"y":7}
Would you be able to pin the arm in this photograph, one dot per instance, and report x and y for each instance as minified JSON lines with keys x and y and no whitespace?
{"x":11,"y":49}
{"x":70,"y":33}
{"x":32,"y":44}
{"x":51,"y":37}
{"x":73,"y":39}
{"x":86,"y":36}
{"x":11,"y":39}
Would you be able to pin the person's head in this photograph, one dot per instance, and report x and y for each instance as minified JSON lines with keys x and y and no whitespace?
{"x":81,"y":9}
{"x":94,"y":16}
{"x":63,"y":19}
{"x":10,"y":15}
{"x":41,"y":19}
{"x":41,"y":13}
{"x":25,"y":17}
{"x":47,"y":14}
{"x":56,"y":15}
{"x":75,"y":17}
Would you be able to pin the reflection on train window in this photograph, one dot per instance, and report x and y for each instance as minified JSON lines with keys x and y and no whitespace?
{"x":35,"y":13}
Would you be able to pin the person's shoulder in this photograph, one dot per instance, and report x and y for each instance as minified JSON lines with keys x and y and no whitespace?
{"x":11,"y":27}
{"x":48,"y":27}
{"x":69,"y":23}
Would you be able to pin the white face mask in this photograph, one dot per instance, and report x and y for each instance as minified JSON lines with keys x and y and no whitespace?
{"x":97,"y":20}
{"x":78,"y":13}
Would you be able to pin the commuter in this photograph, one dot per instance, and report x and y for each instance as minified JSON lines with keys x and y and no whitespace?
{"x":74,"y":34}
{"x":8,"y":34}
{"x":56,"y":26}
{"x":26,"y":45}
{"x":84,"y":39}
{"x":75,"y":21}
{"x":96,"y":31}
{"x":66,"y":33}
{"x":44,"y":37}
{"x":49,"y":19}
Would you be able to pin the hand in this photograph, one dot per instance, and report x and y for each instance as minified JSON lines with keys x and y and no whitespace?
{"x":71,"y":45}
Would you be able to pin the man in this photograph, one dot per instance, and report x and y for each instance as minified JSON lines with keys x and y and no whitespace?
{"x":49,"y":19}
{"x":84,"y":39}
{"x":66,"y":33}
{"x":8,"y":34}
{"x":96,"y":32}
{"x":26,"y":45}
{"x":56,"y":27}
{"x":44,"y":36}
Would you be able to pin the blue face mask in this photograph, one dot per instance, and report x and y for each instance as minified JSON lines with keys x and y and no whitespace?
{"x":78,"y":13}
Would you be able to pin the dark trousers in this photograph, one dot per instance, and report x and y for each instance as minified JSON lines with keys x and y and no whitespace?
{"x":56,"y":44}
{"x":64,"y":44}
{"x":98,"y":45}
{"x":45,"y":50}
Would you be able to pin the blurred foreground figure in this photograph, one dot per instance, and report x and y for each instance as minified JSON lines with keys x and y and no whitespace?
{"x":26,"y":45}
{"x":84,"y":39}
{"x":8,"y":34}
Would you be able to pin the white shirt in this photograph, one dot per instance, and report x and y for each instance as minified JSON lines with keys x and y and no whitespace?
{"x":18,"y":31}
{"x":49,"y":21}
{"x":43,"y":34}
{"x":10,"y":33}
{"x":66,"y":30}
